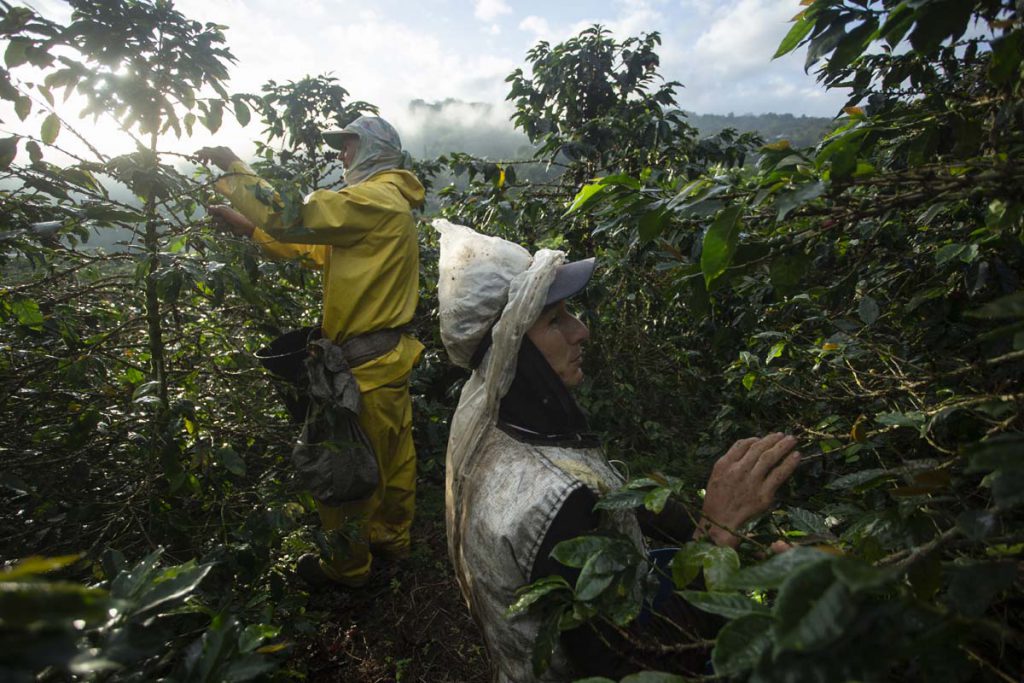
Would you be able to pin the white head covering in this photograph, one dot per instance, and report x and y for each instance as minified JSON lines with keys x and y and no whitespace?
{"x":380,"y":147}
{"x":475,"y":274}
{"x":483,"y":278}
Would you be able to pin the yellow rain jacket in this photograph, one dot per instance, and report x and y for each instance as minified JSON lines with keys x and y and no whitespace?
{"x":364,"y":239}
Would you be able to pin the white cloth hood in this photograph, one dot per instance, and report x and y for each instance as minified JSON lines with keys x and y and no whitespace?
{"x":475,"y":273}
{"x":380,"y":148}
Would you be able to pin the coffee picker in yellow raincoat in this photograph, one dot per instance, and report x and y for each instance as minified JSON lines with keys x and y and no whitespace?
{"x":364,"y":239}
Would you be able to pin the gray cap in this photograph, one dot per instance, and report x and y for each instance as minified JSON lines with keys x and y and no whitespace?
{"x":570,"y":279}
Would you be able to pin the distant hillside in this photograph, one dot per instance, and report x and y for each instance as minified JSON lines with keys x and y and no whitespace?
{"x":801,"y":131}
{"x":481,"y":129}
{"x":477,"y":128}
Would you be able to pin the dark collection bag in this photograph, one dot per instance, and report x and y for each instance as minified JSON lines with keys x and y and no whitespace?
{"x":333,"y":456}
{"x":285,"y":358}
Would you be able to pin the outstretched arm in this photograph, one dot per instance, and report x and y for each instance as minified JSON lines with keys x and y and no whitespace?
{"x":251,"y":212}
{"x":249,"y":194}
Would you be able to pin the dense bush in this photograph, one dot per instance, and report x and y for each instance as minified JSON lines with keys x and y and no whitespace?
{"x":865,"y":295}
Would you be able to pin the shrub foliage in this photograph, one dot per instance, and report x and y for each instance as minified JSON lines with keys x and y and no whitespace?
{"x":863,"y":294}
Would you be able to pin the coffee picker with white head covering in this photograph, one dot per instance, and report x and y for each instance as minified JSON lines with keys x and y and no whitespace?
{"x":523,"y":472}
{"x":363,"y":237}
{"x":378,"y":147}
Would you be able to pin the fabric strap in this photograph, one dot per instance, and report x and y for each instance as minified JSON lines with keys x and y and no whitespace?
{"x":366,"y":347}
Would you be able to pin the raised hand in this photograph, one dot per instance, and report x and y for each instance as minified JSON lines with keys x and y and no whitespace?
{"x":227,"y":218}
{"x":743,"y":483}
{"x":221,"y":157}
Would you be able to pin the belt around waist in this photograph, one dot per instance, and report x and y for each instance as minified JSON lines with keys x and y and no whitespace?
{"x":365,"y":347}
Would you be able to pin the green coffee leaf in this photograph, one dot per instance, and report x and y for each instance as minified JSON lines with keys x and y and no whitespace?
{"x":913,"y":419}
{"x":652,"y":223}
{"x":801,"y":27}
{"x":31,"y":567}
{"x":172,"y":585}
{"x":938,"y":21}
{"x":740,"y":644}
{"x":242,"y":112}
{"x":528,"y":595}
{"x":576,"y":551}
{"x":8,"y":151}
{"x":948,"y":252}
{"x":586,"y":195}
{"x":50,"y":605}
{"x":1010,"y":306}
{"x":655,"y":500}
{"x":718,"y":564}
{"x":860,"y":576}
{"x":231,"y":461}
{"x":728,"y":605}
{"x":772,"y":572}
{"x":977,"y":524}
{"x":975,"y":585}
{"x":812,"y":609}
{"x":1007,"y":51}
{"x":49,"y":130}
{"x":787,"y":201}
{"x":720,"y":243}
{"x":23,"y":107}
{"x":804,"y":520}
{"x":852,"y":45}
{"x":214,"y":116}
{"x":856,"y":480}
{"x":687,"y":563}
{"x":16,"y":53}
{"x":597,"y":575}
{"x":28,"y":314}
{"x":868,"y":310}
{"x":544,"y":645}
{"x":653,"y":677}
{"x":254,"y":634}
{"x":621,"y":499}
{"x":129,"y":583}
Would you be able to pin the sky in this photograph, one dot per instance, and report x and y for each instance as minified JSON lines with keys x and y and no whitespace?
{"x":392,"y":51}
{"x":389,"y":52}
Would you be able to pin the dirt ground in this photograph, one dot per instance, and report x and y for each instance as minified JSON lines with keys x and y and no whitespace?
{"x":408,"y":624}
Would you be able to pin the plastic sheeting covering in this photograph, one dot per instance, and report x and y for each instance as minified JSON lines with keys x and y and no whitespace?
{"x":482,"y":278}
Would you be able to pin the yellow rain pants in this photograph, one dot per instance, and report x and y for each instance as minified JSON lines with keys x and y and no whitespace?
{"x":364,"y":239}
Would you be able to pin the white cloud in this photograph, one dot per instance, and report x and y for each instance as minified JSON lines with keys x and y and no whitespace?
{"x":701,"y":7}
{"x":380,"y":57}
{"x":493,"y":30}
{"x":744,"y":36}
{"x":636,"y":17}
{"x":489,"y":10}
{"x":723,"y":56}
{"x":629,"y":18}
{"x":538,"y":26}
